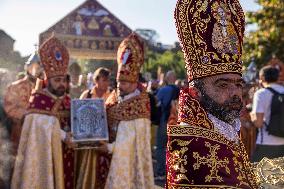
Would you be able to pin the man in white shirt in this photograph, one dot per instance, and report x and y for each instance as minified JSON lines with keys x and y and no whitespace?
{"x":267,"y":145}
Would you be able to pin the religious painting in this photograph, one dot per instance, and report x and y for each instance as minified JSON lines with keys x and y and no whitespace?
{"x":79,"y":25}
{"x":224,"y":37}
{"x":88,"y":121}
{"x":89,"y":27}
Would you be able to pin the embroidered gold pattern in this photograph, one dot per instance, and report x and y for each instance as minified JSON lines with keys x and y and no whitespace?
{"x":54,"y":57}
{"x":212,"y":161}
{"x":134,"y":108}
{"x":201,"y":187}
{"x":224,"y":37}
{"x":248,"y":169}
{"x":54,"y":111}
{"x":270,"y":171}
{"x":191,"y":131}
{"x":191,"y":112}
{"x":178,"y":159}
{"x":194,"y":25}
{"x":239,"y":168}
{"x":130,"y":57}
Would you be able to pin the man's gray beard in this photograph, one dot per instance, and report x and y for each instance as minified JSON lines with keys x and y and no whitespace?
{"x":222,"y":112}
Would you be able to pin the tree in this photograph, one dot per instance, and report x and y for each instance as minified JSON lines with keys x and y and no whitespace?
{"x":149,"y":35}
{"x":169,"y":60}
{"x":268,"y":39}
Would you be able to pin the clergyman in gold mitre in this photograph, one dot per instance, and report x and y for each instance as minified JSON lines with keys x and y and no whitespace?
{"x":204,"y":149}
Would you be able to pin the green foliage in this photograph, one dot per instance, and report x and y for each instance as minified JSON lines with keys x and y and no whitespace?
{"x":169,"y":60}
{"x":268,"y":39}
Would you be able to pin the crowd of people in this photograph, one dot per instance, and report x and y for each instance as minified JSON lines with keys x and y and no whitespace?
{"x":32,"y":117}
{"x":202,"y":132}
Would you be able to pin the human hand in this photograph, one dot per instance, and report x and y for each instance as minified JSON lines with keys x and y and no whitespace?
{"x":68,"y":140}
{"x":102,"y":147}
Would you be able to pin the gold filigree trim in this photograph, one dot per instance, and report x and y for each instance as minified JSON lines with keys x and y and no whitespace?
{"x":192,"y":186}
{"x":186,"y":130}
{"x":178,"y":160}
{"x":189,"y":131}
{"x":134,"y":108}
{"x":211,"y":42}
{"x":191,"y":112}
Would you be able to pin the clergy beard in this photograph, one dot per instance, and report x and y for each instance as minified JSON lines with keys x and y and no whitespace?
{"x":60,"y":91}
{"x":123,"y":93}
{"x":227,"y":112}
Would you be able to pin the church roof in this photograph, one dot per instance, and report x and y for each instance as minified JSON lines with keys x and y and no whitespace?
{"x":90,"y":31}
{"x":91,"y":19}
{"x":3,"y":34}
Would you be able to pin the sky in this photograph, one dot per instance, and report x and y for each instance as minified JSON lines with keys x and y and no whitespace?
{"x":24,"y":20}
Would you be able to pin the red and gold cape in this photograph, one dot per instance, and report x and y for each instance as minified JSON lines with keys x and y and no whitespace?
{"x":198,"y":156}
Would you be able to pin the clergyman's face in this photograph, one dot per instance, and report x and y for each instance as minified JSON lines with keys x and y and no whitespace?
{"x":57,"y":85}
{"x":125,"y":88}
{"x":222,"y":96}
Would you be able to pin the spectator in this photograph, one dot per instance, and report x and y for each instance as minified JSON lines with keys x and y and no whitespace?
{"x":152,"y":88}
{"x":267,"y":145}
{"x":165,"y":96}
{"x":178,"y":83}
{"x":101,"y":81}
{"x":75,"y":87}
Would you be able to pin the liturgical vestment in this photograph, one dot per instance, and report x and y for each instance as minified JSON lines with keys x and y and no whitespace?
{"x":43,"y":161}
{"x":131,"y":163}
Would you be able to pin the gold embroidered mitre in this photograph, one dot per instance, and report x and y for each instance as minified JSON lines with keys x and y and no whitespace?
{"x":130,"y":58}
{"x":211,"y":35}
{"x":54,"y":57}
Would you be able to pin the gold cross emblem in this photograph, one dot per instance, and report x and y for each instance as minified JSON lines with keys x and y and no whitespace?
{"x":212,"y":161}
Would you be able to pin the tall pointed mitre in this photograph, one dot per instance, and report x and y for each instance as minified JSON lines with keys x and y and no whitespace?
{"x":130,"y":58}
{"x":198,"y":154}
{"x":211,"y":36}
{"x":54,"y":57}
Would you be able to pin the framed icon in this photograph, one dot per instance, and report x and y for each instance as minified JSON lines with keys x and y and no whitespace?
{"x":88,"y":121}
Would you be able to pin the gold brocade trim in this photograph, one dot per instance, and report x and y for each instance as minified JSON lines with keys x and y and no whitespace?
{"x":130,"y":57}
{"x":237,"y":149}
{"x":178,"y":159}
{"x":199,"y":21}
{"x":55,"y":109}
{"x":186,"y":130}
{"x":55,"y":57}
{"x":134,"y":108}
{"x":185,"y":186}
{"x":239,"y":167}
{"x":191,"y":112}
{"x":247,"y":166}
{"x":270,"y":171}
